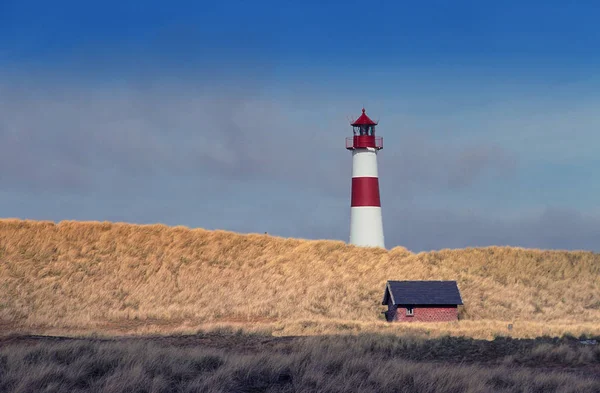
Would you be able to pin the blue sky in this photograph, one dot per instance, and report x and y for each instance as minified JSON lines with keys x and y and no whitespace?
{"x":233,"y":115}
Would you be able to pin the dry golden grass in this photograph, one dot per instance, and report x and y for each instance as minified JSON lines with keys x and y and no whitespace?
{"x":93,"y":276}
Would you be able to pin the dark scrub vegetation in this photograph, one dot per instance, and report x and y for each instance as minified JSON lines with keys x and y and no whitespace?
{"x":230,"y":362}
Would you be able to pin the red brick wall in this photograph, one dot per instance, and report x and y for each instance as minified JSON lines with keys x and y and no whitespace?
{"x":423,"y":314}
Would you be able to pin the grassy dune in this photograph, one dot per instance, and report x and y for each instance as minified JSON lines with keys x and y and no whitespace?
{"x":92,"y":276}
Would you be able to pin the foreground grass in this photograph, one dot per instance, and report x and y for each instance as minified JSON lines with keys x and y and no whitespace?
{"x":251,"y":363}
{"x":91,"y":276}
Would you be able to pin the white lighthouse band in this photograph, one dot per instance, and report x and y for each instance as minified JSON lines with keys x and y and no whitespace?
{"x":364,"y":162}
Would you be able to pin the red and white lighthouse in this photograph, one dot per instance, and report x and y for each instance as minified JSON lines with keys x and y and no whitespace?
{"x":366,"y":224}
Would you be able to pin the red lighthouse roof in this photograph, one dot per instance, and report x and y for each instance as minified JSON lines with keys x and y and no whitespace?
{"x":364,"y":120}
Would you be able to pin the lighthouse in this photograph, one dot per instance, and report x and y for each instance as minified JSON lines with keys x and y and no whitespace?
{"x":366,"y":224}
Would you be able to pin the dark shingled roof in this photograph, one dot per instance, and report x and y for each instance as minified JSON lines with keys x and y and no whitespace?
{"x":423,"y":292}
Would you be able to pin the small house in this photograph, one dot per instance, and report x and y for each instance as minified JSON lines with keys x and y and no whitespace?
{"x":424,"y":301}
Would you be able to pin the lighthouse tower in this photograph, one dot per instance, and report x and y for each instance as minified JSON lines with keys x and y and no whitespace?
{"x":366,"y":224}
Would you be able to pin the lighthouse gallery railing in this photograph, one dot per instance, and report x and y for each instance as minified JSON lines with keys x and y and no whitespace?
{"x":361,"y":141}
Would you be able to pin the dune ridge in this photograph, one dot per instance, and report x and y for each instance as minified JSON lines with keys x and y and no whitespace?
{"x":89,"y":274}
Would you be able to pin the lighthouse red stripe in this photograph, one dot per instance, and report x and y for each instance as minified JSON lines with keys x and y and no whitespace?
{"x":365,"y":191}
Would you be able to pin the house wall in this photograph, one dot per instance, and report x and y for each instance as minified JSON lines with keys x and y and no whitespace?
{"x":422,"y":313}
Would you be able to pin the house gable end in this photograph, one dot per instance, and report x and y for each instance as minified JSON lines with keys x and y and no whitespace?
{"x":387,"y":295}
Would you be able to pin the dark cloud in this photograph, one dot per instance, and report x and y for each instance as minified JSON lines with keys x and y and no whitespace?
{"x":421,"y":229}
{"x":232,"y":158}
{"x":80,"y":139}
{"x":425,"y":165}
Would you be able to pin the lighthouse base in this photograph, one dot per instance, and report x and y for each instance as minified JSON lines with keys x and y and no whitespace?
{"x":366,"y":226}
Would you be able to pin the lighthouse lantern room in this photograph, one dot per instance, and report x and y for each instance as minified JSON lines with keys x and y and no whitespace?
{"x":366,"y":224}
